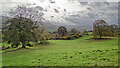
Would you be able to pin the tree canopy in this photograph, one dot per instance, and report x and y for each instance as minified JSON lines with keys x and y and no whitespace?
{"x":21,"y":26}
{"x":20,"y":30}
{"x":99,"y":28}
{"x":74,"y":31}
{"x":62,"y":31}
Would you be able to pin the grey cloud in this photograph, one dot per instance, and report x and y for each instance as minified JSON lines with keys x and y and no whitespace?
{"x":89,"y":8}
{"x":56,"y":10}
{"x":93,"y":11}
{"x":84,"y":3}
{"x":38,"y":7}
{"x":52,"y":1}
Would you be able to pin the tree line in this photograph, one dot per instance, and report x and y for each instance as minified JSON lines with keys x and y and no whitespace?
{"x":25,"y":25}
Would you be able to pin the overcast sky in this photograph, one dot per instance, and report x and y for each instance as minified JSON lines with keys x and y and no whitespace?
{"x":70,"y":12}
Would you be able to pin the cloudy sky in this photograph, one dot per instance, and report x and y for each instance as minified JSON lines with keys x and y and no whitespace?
{"x":70,"y":12}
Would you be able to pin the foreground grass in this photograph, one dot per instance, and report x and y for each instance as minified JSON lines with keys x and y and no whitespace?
{"x":79,"y":52}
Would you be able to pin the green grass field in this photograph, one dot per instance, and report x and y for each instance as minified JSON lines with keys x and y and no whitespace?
{"x":79,"y":52}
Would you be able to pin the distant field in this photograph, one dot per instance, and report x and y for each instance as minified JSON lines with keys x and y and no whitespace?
{"x":80,"y":52}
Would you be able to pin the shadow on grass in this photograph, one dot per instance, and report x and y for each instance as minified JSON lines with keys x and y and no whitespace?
{"x":27,"y":48}
{"x":97,"y":39}
{"x":15,"y":50}
{"x":102,"y":38}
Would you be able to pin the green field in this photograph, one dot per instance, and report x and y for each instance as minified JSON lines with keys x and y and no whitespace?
{"x":79,"y":52}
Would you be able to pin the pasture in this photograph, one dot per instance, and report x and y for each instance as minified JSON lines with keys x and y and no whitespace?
{"x":79,"y":52}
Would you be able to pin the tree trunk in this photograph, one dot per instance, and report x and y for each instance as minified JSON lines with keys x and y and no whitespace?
{"x":41,"y":42}
{"x":100,"y":36}
{"x":23,"y":45}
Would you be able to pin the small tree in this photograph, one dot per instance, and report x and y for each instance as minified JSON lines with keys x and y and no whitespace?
{"x":99,"y":28}
{"x":62,"y":31}
{"x":108,"y":31}
{"x":85,"y":31}
{"x":73,"y":31}
{"x":41,"y":34}
{"x":114,"y":29}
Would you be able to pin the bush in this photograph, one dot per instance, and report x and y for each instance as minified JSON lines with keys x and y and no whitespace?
{"x":67,"y":37}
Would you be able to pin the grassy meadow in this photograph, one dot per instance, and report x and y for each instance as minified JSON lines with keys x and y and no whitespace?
{"x":84,"y":51}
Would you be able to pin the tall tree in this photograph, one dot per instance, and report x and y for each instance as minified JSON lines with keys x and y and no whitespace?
{"x":20,"y":30}
{"x":24,"y":20}
{"x":99,"y":28}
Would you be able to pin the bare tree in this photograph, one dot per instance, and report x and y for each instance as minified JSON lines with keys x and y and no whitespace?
{"x":26,"y":12}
